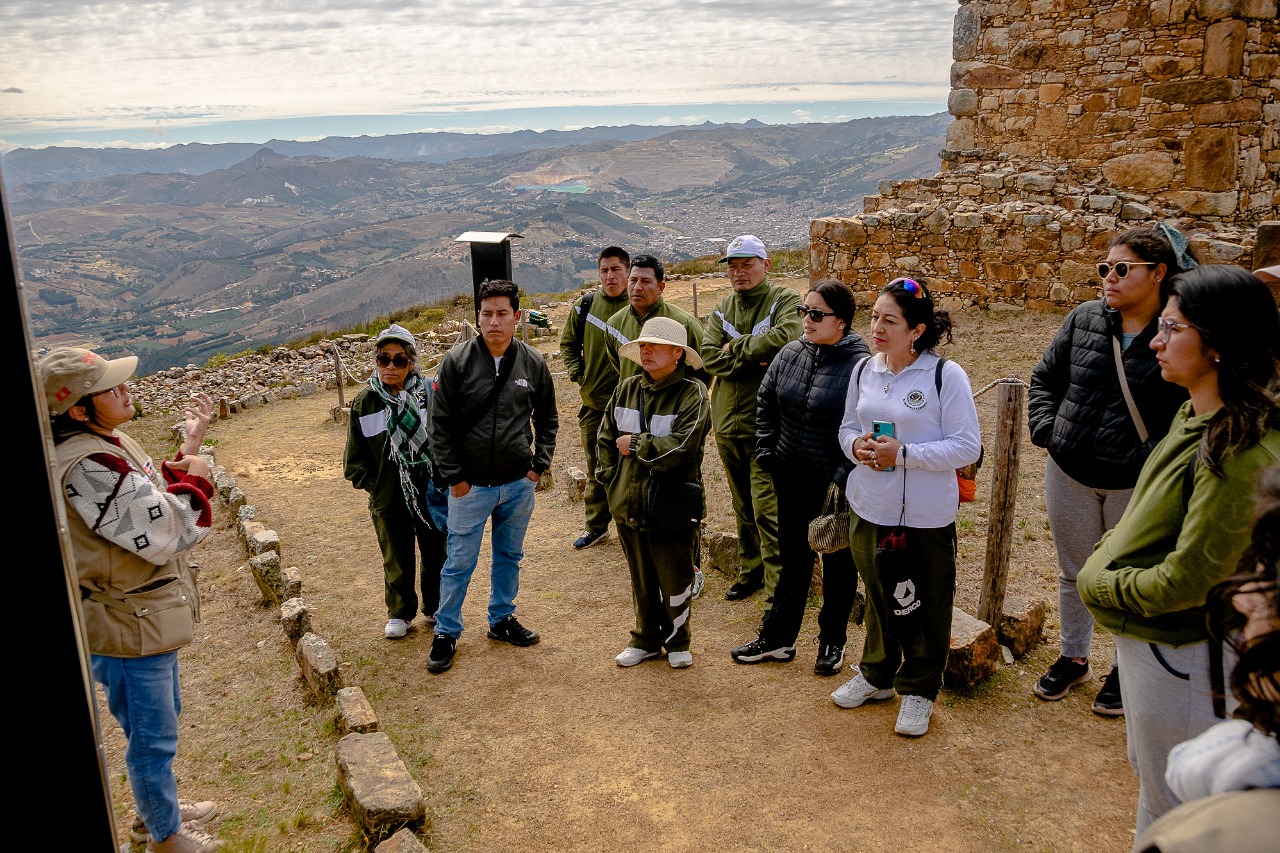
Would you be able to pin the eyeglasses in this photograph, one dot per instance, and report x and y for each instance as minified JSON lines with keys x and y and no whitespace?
{"x":385,"y":360}
{"x":1166,"y":327}
{"x":117,"y":392}
{"x":910,"y":285}
{"x":813,"y":313}
{"x":1121,"y":267}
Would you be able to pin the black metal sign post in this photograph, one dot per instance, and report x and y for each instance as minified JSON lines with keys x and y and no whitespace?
{"x":490,"y":257}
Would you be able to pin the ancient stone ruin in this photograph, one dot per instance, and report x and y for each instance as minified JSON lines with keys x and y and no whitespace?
{"x":1073,"y":120}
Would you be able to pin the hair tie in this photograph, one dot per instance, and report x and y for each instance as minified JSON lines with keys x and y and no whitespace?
{"x":1179,"y":242}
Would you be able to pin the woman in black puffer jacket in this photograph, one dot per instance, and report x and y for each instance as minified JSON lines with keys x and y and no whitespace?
{"x":1077,"y":411}
{"x":799,"y":408}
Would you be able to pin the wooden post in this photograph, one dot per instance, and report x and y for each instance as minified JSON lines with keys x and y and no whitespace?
{"x":337,"y":374}
{"x":695,"y":299}
{"x":1004,"y":495}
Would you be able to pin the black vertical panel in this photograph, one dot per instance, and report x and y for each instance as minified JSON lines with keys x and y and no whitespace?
{"x":50,"y":701}
{"x":489,"y":261}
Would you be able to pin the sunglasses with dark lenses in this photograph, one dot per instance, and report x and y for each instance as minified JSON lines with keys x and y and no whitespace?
{"x":813,"y":313}
{"x":910,"y":285}
{"x":1121,"y":267}
{"x":385,"y":360}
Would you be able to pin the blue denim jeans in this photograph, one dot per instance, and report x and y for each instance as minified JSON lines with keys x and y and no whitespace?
{"x":510,"y":506}
{"x":142,"y":694}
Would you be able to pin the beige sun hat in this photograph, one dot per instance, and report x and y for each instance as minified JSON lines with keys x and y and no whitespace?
{"x":662,"y":330}
{"x":70,"y":373}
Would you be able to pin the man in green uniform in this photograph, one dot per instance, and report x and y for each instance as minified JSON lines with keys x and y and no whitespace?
{"x":645,"y":284}
{"x":744,"y":332}
{"x":582,"y":344}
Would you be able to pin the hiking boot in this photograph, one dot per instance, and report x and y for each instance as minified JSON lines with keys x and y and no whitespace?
{"x":1109,"y":702}
{"x":510,"y":631}
{"x":830,"y":659}
{"x":759,"y":650}
{"x":680,"y":660}
{"x":630,"y":656}
{"x":587,"y":539}
{"x":699,"y":581}
{"x":1061,"y":677}
{"x":395,"y":629}
{"x":443,"y":648}
{"x":741,"y":590}
{"x":913,"y":716}
{"x":197,"y":813}
{"x":857,"y":690}
{"x":188,"y":839}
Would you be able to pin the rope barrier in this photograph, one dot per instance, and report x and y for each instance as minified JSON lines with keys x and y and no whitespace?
{"x":1007,"y":380}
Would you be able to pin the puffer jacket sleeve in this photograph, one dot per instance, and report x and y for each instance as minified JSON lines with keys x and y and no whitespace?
{"x":1049,"y":380}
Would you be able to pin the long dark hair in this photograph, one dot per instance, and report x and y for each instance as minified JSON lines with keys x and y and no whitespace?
{"x":917,"y":308}
{"x":839,"y":298}
{"x":1255,"y":681}
{"x":64,"y":426}
{"x":1236,"y":316}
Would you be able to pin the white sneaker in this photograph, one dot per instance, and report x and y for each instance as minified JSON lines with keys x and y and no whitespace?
{"x":857,"y":690}
{"x":679,"y":660}
{"x":631,"y":656}
{"x":913,"y":716}
{"x":396,"y":629}
{"x":699,"y":581}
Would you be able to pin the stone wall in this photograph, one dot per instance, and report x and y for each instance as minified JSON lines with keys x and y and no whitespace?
{"x":1074,"y":120}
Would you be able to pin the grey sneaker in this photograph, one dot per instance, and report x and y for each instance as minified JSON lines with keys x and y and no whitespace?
{"x":395,"y":629}
{"x":188,"y":839}
{"x":197,"y":813}
{"x":913,"y":716}
{"x":857,"y":690}
{"x":630,"y":656}
{"x":680,"y":660}
{"x":699,"y":581}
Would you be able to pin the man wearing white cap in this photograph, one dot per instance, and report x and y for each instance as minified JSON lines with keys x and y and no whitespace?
{"x":743,"y":334}
{"x":651,"y":441}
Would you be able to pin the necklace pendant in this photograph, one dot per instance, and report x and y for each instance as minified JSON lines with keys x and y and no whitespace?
{"x":886,"y":387}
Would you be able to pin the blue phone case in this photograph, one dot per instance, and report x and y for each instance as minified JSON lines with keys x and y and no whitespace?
{"x":879,"y":428}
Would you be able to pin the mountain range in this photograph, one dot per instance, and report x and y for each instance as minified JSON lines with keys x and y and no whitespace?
{"x":177,"y":254}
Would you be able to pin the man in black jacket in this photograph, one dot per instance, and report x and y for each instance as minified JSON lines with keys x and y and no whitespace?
{"x":493,"y":430}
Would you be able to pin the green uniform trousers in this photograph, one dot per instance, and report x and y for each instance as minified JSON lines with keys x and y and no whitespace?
{"x":661,"y":564}
{"x":913,"y":666}
{"x":397,"y":535}
{"x":595,"y":497}
{"x":755,"y":505}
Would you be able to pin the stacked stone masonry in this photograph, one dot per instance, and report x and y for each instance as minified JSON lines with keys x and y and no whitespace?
{"x":1074,"y":120}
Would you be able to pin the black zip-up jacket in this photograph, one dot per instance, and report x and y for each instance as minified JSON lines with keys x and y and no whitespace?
{"x":511,"y":438}
{"x":800,"y":406}
{"x":1076,"y":408}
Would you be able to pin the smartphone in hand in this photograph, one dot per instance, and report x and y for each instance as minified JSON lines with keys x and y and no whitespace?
{"x":883,"y":428}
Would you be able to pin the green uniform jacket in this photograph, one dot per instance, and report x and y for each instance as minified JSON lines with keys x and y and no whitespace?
{"x":625,"y":327}
{"x":756,"y":325}
{"x":1149,"y":576}
{"x":668,"y":439}
{"x":582,"y":345}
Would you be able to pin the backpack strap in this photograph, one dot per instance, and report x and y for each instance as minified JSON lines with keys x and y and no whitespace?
{"x":584,"y":308}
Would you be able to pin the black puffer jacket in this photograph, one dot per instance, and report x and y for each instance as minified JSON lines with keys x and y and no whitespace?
{"x":1077,"y":410}
{"x":799,"y":408}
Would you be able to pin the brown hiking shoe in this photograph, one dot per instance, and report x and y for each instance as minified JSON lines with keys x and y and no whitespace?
{"x":188,"y":839}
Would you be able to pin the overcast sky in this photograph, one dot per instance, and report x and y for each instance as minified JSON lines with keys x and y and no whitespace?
{"x":159,"y":72}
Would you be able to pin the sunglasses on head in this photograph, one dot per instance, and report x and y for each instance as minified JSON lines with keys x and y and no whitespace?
{"x":385,"y":360}
{"x":1121,"y":267}
{"x":910,"y":285}
{"x":813,"y":313}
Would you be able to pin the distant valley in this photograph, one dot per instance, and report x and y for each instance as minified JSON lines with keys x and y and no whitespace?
{"x":177,"y":254}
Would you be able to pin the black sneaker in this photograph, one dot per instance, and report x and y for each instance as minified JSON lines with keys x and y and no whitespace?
{"x":741,"y":590}
{"x":758,"y":651}
{"x":830,"y":659}
{"x":511,"y":631}
{"x":1061,"y":677}
{"x":443,"y":648}
{"x":587,"y":539}
{"x":1109,"y":703}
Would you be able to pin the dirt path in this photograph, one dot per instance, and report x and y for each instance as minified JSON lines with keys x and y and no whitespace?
{"x":554,"y":747}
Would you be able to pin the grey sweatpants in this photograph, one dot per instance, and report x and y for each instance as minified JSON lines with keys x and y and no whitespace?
{"x":1078,"y":516}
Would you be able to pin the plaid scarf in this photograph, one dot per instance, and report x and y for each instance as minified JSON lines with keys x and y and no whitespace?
{"x":407,"y":440}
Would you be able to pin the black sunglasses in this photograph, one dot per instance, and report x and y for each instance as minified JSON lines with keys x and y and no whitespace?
{"x":385,"y":360}
{"x":1121,"y":267}
{"x":813,"y":313}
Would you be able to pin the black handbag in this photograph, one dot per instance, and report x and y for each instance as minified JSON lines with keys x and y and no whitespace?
{"x":670,"y":503}
{"x":897,"y":567}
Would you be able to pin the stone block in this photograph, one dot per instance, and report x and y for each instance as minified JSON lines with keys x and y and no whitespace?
{"x":1205,"y":203}
{"x":962,"y":102}
{"x":1192,"y":92}
{"x":974,"y":654}
{"x":290,"y":582}
{"x":720,"y":552}
{"x":1210,"y":157}
{"x":1145,"y":170}
{"x":1266,"y":244}
{"x":236,"y":498}
{"x":1022,"y":623}
{"x":1131,"y":210}
{"x":377,"y":787}
{"x":355,"y":714}
{"x":266,"y":572}
{"x":545,"y":482}
{"x":577,"y":483}
{"x":319,"y":666}
{"x":295,"y":619}
{"x":260,"y":540}
{"x":340,"y":414}
{"x":403,"y":841}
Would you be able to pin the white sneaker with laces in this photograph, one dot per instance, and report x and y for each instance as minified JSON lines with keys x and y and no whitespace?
{"x":631,"y":656}
{"x":913,"y":716}
{"x":188,"y":839}
{"x":680,"y":660}
{"x":857,"y":690}
{"x":699,"y":581}
{"x":396,"y":629}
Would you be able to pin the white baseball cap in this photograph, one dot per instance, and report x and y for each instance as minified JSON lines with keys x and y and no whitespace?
{"x":746,"y":246}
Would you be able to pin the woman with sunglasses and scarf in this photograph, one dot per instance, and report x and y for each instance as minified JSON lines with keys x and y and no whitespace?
{"x":388,"y":456}
{"x":905,"y":478}
{"x":1190,"y":516}
{"x":1080,"y":410}
{"x":798,"y":412}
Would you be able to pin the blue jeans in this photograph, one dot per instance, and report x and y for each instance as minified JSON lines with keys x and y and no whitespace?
{"x":142,"y":694}
{"x":510,"y":506}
